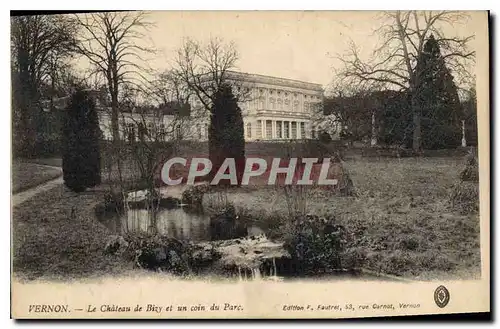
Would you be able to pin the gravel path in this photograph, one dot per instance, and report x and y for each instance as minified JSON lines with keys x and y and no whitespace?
{"x":21,"y":197}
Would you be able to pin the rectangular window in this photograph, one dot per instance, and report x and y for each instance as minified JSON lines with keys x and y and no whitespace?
{"x":279,"y":129}
{"x":249,"y":130}
{"x":302,"y":130}
{"x":287,"y":129}
{"x":294,"y":130}
{"x":259,"y":129}
{"x":269,"y":129}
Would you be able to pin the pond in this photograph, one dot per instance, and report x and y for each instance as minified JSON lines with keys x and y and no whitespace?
{"x":180,"y":223}
{"x":185,"y":224}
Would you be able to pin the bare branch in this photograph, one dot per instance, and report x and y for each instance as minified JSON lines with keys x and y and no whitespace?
{"x":403,"y":37}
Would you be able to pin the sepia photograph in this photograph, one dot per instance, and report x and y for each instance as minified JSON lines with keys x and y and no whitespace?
{"x":239,"y":160}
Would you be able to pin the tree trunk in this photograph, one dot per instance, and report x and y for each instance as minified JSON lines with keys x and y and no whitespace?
{"x":464,"y":140}
{"x":115,"y":130}
{"x":28,"y":121}
{"x":374,"y":139}
{"x":417,"y":127}
{"x":25,"y":102}
{"x":116,"y":143}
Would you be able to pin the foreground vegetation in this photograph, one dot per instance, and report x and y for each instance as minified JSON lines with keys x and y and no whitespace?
{"x":401,"y":222}
{"x":27,"y":175}
{"x":56,"y":236}
{"x":402,"y":216}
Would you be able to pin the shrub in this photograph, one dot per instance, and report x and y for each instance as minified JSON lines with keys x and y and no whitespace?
{"x":226,"y":133}
{"x":324,"y":137}
{"x":316,"y":244}
{"x":465,"y":197}
{"x":81,"y":158}
{"x":471,"y":170}
{"x":154,"y":252}
{"x":193,"y":195}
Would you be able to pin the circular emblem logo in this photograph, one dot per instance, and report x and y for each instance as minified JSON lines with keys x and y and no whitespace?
{"x":441,"y":296}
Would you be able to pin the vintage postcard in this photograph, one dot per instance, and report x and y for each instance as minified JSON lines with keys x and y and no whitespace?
{"x":249,"y":164}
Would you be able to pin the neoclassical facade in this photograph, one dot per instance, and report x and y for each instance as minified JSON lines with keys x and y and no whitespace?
{"x":273,"y":109}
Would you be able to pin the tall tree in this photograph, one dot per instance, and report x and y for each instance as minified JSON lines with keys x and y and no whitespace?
{"x":396,"y":120}
{"x":393,"y":63}
{"x":81,"y":157}
{"x":470,"y":118}
{"x":206,"y":70}
{"x":111,"y":43}
{"x":39,"y":45}
{"x":226,"y":134}
{"x":438,"y":102}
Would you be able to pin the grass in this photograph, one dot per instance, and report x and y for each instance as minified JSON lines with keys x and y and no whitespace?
{"x":403,"y":209}
{"x":49,"y":243}
{"x":27,"y":175}
{"x":410,"y":228}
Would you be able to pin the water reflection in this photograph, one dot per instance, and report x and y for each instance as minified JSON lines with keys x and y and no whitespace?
{"x":176,"y":223}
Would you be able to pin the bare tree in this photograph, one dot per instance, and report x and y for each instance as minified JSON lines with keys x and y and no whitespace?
{"x":40,"y":44}
{"x":169,"y":87}
{"x":403,"y":36}
{"x":154,"y":132}
{"x":203,"y":68}
{"x":157,"y":129}
{"x":343,"y":110}
{"x":111,"y":43}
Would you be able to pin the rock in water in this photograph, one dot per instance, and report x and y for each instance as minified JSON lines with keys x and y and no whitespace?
{"x":247,"y":253}
{"x":137,"y":196}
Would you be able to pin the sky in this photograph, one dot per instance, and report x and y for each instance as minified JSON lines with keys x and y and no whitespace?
{"x":298,"y":45}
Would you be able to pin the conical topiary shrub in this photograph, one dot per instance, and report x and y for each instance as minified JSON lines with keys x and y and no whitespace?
{"x":81,"y":158}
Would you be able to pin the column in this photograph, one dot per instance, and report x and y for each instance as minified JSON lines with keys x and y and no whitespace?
{"x":282,"y":129}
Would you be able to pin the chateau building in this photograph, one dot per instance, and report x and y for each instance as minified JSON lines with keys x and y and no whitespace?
{"x":275,"y":109}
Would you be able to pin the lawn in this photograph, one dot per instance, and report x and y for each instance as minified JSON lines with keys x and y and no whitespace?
{"x":403,"y":207}
{"x":49,"y":243}
{"x":26,"y":175}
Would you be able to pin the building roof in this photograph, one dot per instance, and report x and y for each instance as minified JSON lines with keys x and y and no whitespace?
{"x":259,"y":78}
